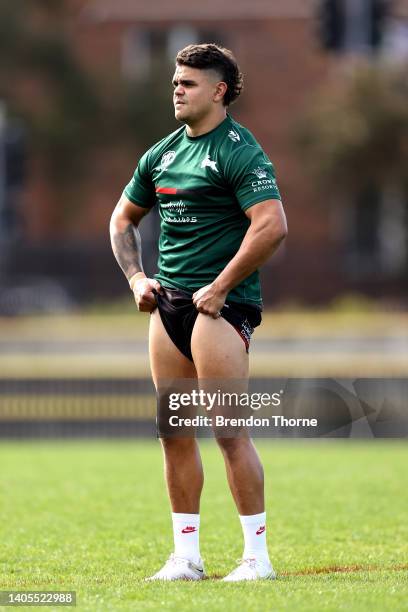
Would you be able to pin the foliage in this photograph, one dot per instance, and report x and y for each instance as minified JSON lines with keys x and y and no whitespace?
{"x":35,"y":48}
{"x":142,"y":124}
{"x":355,"y":132}
{"x":73,"y":117}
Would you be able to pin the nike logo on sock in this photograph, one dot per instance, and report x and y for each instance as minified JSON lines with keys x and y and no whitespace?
{"x":261,"y":530}
{"x":189,"y":529}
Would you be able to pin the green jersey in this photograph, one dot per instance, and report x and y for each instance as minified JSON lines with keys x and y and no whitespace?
{"x":202,"y":186}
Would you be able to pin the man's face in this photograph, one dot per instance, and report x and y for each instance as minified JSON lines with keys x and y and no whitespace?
{"x":194,"y":93}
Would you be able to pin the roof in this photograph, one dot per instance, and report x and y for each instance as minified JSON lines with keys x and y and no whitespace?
{"x":186,"y":10}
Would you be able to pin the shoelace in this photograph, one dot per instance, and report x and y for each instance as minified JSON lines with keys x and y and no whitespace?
{"x":177,"y":560}
{"x":172,"y":560}
{"x":249,"y":563}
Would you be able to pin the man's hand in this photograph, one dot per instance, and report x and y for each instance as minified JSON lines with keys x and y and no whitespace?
{"x":143,"y":290}
{"x":209,"y":300}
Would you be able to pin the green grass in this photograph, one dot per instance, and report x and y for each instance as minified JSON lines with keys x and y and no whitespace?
{"x":93,"y":517}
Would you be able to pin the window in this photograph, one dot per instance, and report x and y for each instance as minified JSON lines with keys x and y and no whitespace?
{"x":136,"y":54}
{"x":145,"y":50}
{"x":376,"y":232}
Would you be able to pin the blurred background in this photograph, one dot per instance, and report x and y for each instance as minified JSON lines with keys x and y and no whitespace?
{"x":85,"y":89}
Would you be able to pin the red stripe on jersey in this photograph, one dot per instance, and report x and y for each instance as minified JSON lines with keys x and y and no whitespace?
{"x":166,"y":190}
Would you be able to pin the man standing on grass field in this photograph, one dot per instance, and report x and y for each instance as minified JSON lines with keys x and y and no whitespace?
{"x":221,"y":218}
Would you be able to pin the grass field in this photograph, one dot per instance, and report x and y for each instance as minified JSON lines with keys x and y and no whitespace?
{"x":93,"y":517}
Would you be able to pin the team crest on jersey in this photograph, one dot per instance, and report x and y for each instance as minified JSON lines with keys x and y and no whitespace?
{"x":234,"y":136}
{"x":208,"y":163}
{"x":260,"y":172}
{"x":167,"y":159}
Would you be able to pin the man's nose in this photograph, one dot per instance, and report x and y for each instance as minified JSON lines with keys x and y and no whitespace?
{"x":179,"y":90}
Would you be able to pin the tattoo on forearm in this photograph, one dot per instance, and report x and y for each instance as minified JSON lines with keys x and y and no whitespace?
{"x":127,"y":248}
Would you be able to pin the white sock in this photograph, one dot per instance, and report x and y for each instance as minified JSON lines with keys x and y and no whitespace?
{"x":254,"y":528}
{"x":186,"y":529}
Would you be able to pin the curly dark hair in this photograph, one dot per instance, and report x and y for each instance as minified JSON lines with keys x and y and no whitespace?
{"x":210,"y":56}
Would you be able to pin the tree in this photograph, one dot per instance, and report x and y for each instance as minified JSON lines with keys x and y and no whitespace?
{"x":66,"y":119}
{"x":355,"y":133}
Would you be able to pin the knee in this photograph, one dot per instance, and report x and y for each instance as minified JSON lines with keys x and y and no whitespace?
{"x":232,"y":446}
{"x":178,"y":446}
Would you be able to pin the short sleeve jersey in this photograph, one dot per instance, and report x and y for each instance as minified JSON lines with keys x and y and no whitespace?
{"x":202,"y":186}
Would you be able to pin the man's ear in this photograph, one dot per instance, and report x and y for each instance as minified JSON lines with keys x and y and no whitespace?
{"x":220,"y":90}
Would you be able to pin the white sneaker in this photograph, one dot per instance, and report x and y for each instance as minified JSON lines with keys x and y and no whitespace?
{"x":177,"y":568}
{"x":251,"y":569}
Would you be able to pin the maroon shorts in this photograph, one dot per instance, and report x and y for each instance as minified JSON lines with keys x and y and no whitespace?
{"x":178,"y":314}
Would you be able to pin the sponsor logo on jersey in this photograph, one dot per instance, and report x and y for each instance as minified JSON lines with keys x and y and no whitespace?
{"x":167,"y":159}
{"x":260,"y":172}
{"x":181,"y":220}
{"x":234,"y":136}
{"x":175,"y":211}
{"x":178,"y":207}
{"x":263,"y":182}
{"x":208,"y":163}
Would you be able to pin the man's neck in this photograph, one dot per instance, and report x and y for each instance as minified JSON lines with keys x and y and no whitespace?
{"x":206,"y":125}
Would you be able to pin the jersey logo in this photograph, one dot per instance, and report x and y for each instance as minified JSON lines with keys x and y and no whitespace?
{"x":260,"y":172}
{"x":177,"y":207}
{"x":167,"y":159}
{"x":208,"y":163}
{"x":234,"y":136}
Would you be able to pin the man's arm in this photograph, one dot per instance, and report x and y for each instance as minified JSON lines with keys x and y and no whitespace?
{"x":267,"y":230}
{"x":127,"y":248}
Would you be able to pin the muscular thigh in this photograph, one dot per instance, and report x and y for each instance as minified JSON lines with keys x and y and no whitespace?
{"x":166,"y":361}
{"x":218,"y":351}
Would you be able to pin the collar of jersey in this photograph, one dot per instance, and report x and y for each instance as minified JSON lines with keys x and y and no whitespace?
{"x":195,"y":138}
